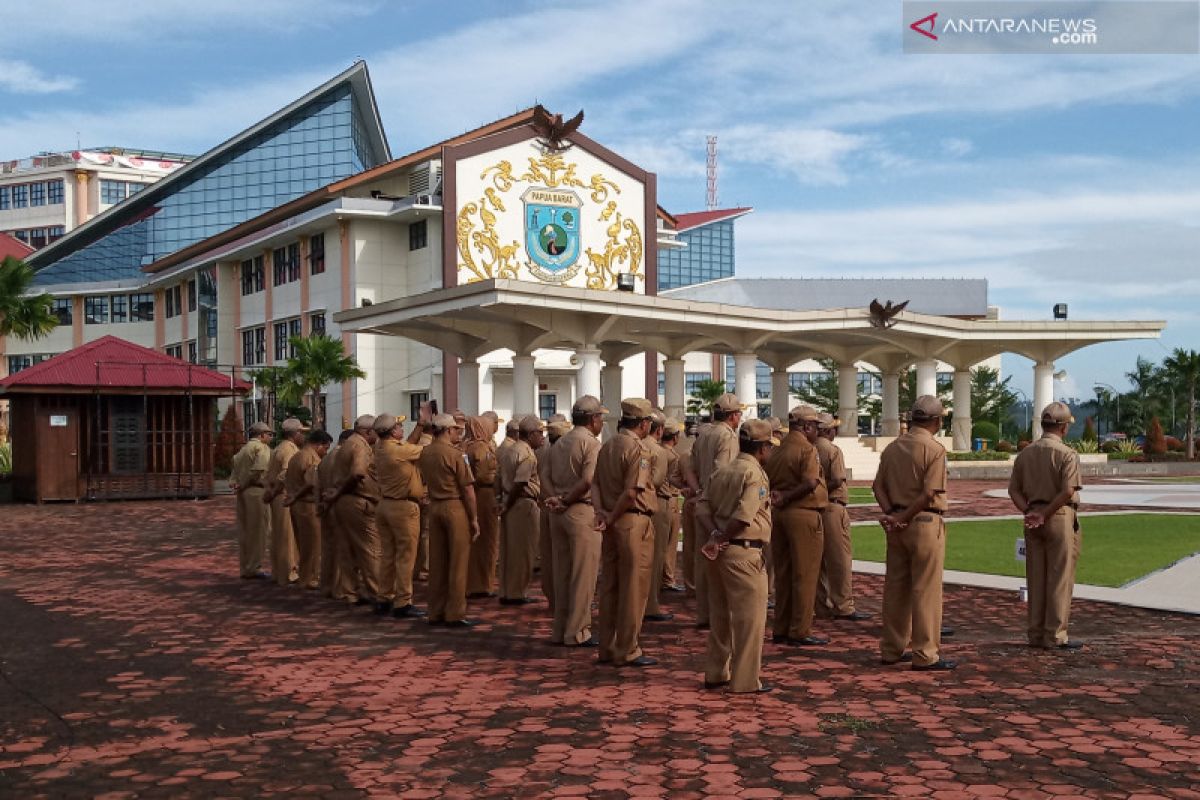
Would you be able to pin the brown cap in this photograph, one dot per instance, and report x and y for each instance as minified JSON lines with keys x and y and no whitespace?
{"x":636,"y":408}
{"x":673,"y":426}
{"x":775,"y":423}
{"x":557,"y":418}
{"x":728,"y":402}
{"x":659,"y":417}
{"x":827,"y":421}
{"x":460,"y":415}
{"x":513,"y":425}
{"x":385,"y":422}
{"x":804,"y":413}
{"x":445,"y":421}
{"x":259,"y":428}
{"x":927,"y":407}
{"x":529,"y":424}
{"x":757,"y":430}
{"x":293,"y":425}
{"x":493,"y":416}
{"x":588,"y":404}
{"x":365,"y":421}
{"x":558,"y":428}
{"x":1057,"y":414}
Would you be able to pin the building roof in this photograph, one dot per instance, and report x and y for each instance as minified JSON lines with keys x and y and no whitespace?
{"x":694,"y":219}
{"x":943,"y":297}
{"x":116,"y":364}
{"x":12,"y":246}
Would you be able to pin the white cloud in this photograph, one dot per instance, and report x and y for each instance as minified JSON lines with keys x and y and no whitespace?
{"x":956,"y":147}
{"x":19,"y":77}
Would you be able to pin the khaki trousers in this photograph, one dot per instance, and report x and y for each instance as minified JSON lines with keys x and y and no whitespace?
{"x":576,"y":553}
{"x":253,"y":525}
{"x":662,"y":540}
{"x":345,"y":573}
{"x":518,"y":535}
{"x":689,"y":547}
{"x":737,"y":596}
{"x":546,"y":557}
{"x":626,"y":552}
{"x":357,"y":517}
{"x":330,"y":566}
{"x":912,"y":590}
{"x":835,"y":591}
{"x":283,"y":543}
{"x":797,"y":541}
{"x":481,"y":569}
{"x":671,"y":553}
{"x":421,"y":567}
{"x":700,"y":569}
{"x":399,"y":530}
{"x":308,"y":542}
{"x":1050,"y":558}
{"x":449,"y":552}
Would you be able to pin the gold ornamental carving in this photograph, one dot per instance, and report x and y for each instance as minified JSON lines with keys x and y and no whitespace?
{"x":604,"y":266}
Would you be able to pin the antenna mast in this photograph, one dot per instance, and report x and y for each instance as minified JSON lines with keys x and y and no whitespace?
{"x":710,"y":198}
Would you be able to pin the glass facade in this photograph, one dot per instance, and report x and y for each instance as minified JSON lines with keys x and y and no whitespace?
{"x":319,"y":143}
{"x":707,"y":257}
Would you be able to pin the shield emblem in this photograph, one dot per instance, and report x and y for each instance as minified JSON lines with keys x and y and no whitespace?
{"x":552,"y":230}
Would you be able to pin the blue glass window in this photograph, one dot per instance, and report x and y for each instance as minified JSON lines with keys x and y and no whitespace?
{"x":5,"y":198}
{"x":37,"y":194}
{"x":20,"y":195}
{"x":112,"y":192}
{"x":54,"y":192}
{"x":707,"y":257}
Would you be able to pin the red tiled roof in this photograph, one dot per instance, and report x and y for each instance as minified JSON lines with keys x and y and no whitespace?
{"x":695,"y":219}
{"x":12,"y":246}
{"x":113,"y":363}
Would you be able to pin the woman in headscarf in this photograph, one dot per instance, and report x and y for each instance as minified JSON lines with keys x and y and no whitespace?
{"x":480,"y":448}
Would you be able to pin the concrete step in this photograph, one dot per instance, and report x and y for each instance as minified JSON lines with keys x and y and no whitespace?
{"x":861,"y":461}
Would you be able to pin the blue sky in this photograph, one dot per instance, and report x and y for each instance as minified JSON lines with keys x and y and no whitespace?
{"x":1058,"y":178}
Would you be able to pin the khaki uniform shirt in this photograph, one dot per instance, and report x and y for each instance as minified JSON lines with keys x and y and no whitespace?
{"x":396,"y":466}
{"x":444,"y":470}
{"x":251,"y":464}
{"x":355,"y":458}
{"x":481,"y":456}
{"x":572,"y":459}
{"x":518,"y":464}
{"x":325,"y":470}
{"x":740,"y":491}
{"x":302,"y":472}
{"x":909,"y":465}
{"x":545,"y":483}
{"x":794,"y":462}
{"x":664,"y":462}
{"x":833,"y":468}
{"x":280,"y":458}
{"x":621,"y":459}
{"x":715,"y":448}
{"x":1044,"y":469}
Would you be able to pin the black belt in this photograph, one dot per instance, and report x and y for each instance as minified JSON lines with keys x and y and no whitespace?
{"x":937,"y":511}
{"x":479,"y":485}
{"x":640,"y":511}
{"x":753,"y":544}
{"x":840,"y":502}
{"x":396,"y":499}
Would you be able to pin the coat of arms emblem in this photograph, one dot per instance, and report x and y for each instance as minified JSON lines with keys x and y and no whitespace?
{"x":552,"y":233}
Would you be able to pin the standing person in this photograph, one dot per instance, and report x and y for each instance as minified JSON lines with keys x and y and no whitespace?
{"x":575,"y":541}
{"x":910,"y":487}
{"x":715,"y":448}
{"x":399,"y":512}
{"x":452,"y":522}
{"x":284,"y":566}
{"x":355,"y":499}
{"x":798,"y":498}
{"x":835,"y":590}
{"x":624,"y":501}
{"x":481,"y":457}
{"x":660,"y":468}
{"x":519,"y":511}
{"x":556,"y":428}
{"x":738,"y":515}
{"x":253,"y":516}
{"x":1045,"y":488}
{"x":690,"y":487}
{"x":672,"y":432}
{"x":336,"y":568}
{"x":300,"y":497}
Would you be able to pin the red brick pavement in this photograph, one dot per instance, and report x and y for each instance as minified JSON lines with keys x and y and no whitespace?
{"x":136,"y":664}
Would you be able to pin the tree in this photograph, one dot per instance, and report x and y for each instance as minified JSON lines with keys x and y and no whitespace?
{"x":229,"y":441}
{"x":318,"y":361}
{"x":1156,"y":443}
{"x":23,"y":315}
{"x":1089,"y":430}
{"x":1182,"y":371}
{"x":703,"y":396}
{"x":822,"y":391}
{"x":1147,"y":398}
{"x":991,"y":399}
{"x":281,"y":390}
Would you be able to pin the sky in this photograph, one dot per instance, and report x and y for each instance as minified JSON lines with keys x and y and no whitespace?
{"x":1058,"y":178}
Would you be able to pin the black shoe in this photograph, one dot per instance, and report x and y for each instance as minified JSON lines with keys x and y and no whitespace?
{"x":383,"y":609}
{"x":938,"y":666}
{"x":460,"y":623}
{"x":805,"y":641}
{"x":764,"y":687}
{"x":853,"y":616}
{"x":409,"y":611}
{"x":658,"y":617}
{"x":770,"y":605}
{"x":702,"y":626}
{"x":437,"y":623}
{"x":515,"y":601}
{"x":640,"y":661}
{"x":712,"y":686}
{"x":674,"y":589}
{"x":947,"y":631}
{"x":778,"y":638}
{"x":905,"y":659}
{"x":362,"y":601}
{"x":1069,"y":646}
{"x":480,"y":595}
{"x":592,"y":642}
{"x":258,"y":576}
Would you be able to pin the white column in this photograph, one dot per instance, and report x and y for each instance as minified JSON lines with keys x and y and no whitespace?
{"x":587,"y":380}
{"x":781,"y":393}
{"x":674,"y":388}
{"x":891,"y":403}
{"x":610,"y":394}
{"x":848,"y":399}
{"x":1043,"y":393}
{"x":927,"y":377}
{"x":960,"y":426}
{"x":745,"y":369}
{"x":524,"y":386}
{"x":468,"y":386}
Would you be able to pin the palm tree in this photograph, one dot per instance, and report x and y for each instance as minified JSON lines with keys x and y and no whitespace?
{"x":1146,"y":400}
{"x":26,"y":316}
{"x":1182,"y":370}
{"x":704,"y":394}
{"x":281,"y":390}
{"x":317,"y":361}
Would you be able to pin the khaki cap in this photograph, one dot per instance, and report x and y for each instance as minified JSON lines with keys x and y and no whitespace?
{"x":557,"y":418}
{"x":1057,"y":414}
{"x":513,"y":425}
{"x":804,"y":413}
{"x":728,"y":402}
{"x":530,"y":424}
{"x":927,"y":407}
{"x":558,"y":428}
{"x":385,"y":422}
{"x":658,"y":417}
{"x":293,"y":425}
{"x":365,"y":421}
{"x":636,"y":408}
{"x":757,"y":430}
{"x":589,"y":404}
{"x":259,"y":428}
{"x":673,"y":426}
{"x":445,"y":421}
{"x":828,"y":421}
{"x":493,"y":416}
{"x":775,"y":422}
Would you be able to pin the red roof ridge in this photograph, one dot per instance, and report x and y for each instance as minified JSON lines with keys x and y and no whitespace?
{"x":694,"y":219}
{"x":12,"y":246}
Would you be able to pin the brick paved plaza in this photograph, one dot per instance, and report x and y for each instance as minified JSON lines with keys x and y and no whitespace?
{"x":136,"y":664}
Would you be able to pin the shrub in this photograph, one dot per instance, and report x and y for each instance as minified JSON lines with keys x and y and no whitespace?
{"x":985,"y":430}
{"x":1174,"y":445}
{"x":978,"y":455}
{"x":229,"y":441}
{"x":1089,"y":430}
{"x":1156,"y":443}
{"x":1005,"y":446}
{"x":1111,"y":446}
{"x":1128,"y":446}
{"x":1021,"y":445}
{"x":1085,"y":446}
{"x":5,"y":458}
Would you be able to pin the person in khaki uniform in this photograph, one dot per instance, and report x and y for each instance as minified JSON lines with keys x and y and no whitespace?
{"x":910,"y":487}
{"x":716,"y":447}
{"x":300,"y":497}
{"x":250,"y":466}
{"x":452,"y":522}
{"x":1045,"y":487}
{"x":624,"y":501}
{"x":336,"y":568}
{"x":690,"y":488}
{"x":738,"y":515}
{"x":672,"y":432}
{"x":798,"y":497}
{"x":398,"y":514}
{"x":660,"y":469}
{"x":521,"y":490}
{"x":355,"y":501}
{"x":556,"y":428}
{"x":835,"y":589}
{"x":284,"y":566}
{"x":481,"y":457}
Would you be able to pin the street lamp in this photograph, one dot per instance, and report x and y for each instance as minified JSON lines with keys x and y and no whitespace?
{"x":1117,"y":395}
{"x":1026,"y":406}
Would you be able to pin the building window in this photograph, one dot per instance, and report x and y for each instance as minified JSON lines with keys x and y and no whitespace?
{"x":112,"y":192}
{"x":252,"y":275}
{"x":20,"y":195}
{"x":418,"y":235}
{"x":37,"y":194}
{"x":415,"y":401}
{"x":316,"y":253}
{"x":281,"y":337}
{"x":120,"y":308}
{"x":293,"y":262}
{"x":54,"y":192}
{"x":192,"y":352}
{"x":5,"y":198}
{"x":133,"y":187}
{"x":174,"y":296}
{"x":141,"y":308}
{"x":191,"y":286}
{"x":63,"y":308}
{"x":18,"y":363}
{"x":316,"y":324}
{"x":95,"y":310}
{"x":286,"y":264}
{"x":174,"y":351}
{"x":691,"y":379}
{"x":54,"y":233}
{"x":254,"y":346}
{"x":37,"y":238}
{"x":547,"y":405}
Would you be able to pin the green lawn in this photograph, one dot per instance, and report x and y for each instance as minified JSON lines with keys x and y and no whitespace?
{"x":1116,"y":549}
{"x":861,"y":494}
